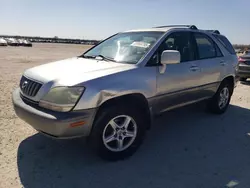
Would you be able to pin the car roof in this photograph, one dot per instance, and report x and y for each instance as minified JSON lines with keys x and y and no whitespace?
{"x":165,"y":28}
{"x":152,"y":29}
{"x":169,"y":27}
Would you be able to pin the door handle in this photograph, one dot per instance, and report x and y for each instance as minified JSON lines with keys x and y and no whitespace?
{"x":194,"y":68}
{"x":223,"y":63}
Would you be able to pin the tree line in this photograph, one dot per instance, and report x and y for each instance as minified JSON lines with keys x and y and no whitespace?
{"x":241,"y":46}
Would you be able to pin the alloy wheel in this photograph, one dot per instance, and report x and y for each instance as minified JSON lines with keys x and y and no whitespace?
{"x":223,"y":97}
{"x":119,"y":133}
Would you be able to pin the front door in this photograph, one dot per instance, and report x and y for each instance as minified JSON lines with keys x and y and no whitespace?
{"x":179,"y":84}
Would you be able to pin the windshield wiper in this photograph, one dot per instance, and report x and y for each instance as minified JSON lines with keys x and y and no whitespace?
{"x":101,"y":57}
{"x":98,"y":57}
{"x":87,"y":56}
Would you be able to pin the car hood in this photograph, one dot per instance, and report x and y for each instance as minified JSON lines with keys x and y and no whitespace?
{"x":74,"y":71}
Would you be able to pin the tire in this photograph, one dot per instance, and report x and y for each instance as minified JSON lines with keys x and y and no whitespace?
{"x":243,"y":79}
{"x":104,"y":129}
{"x":214,"y":104}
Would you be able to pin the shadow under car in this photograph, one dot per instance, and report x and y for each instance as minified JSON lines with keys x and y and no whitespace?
{"x":184,"y":148}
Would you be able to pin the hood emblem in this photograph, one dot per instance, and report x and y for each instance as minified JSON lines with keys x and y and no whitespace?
{"x":24,"y":85}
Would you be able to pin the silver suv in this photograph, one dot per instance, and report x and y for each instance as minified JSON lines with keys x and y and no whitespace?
{"x":111,"y":92}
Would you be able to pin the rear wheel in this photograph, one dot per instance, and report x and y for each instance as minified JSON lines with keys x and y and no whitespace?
{"x":220,"y":101}
{"x":117,"y":133}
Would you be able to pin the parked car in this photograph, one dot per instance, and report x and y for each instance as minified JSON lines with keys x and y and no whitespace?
{"x":246,"y":52}
{"x":27,"y":43}
{"x":112,"y":91}
{"x":3,"y":42}
{"x":24,"y":42}
{"x":243,"y":70}
{"x":12,"y":42}
{"x":20,"y":42}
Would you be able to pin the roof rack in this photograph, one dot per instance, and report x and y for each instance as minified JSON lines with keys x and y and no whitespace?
{"x":188,"y":26}
{"x":213,"y":31}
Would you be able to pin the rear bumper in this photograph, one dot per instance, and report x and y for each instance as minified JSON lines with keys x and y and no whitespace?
{"x":53,"y":124}
{"x":243,"y":74}
{"x":243,"y":71}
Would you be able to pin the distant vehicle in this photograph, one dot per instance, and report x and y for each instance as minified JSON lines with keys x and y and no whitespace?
{"x":112,"y":91}
{"x":237,"y":50}
{"x":24,"y":42}
{"x":20,"y":41}
{"x":243,"y":70}
{"x":247,"y":52}
{"x":12,"y":42}
{"x":27,"y":43}
{"x":3,"y":42}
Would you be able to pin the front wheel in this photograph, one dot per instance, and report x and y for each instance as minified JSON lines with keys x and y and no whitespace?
{"x":117,"y":133}
{"x":220,"y":101}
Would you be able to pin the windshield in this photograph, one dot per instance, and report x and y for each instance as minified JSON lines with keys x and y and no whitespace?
{"x":127,"y":47}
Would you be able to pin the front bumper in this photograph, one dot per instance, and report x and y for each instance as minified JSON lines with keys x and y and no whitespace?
{"x":54,"y":124}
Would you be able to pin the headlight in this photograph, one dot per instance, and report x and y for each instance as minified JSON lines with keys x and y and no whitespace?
{"x":61,"y":99}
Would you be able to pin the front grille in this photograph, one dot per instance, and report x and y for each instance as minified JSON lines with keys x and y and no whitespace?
{"x":28,"y":101}
{"x":29,"y":87}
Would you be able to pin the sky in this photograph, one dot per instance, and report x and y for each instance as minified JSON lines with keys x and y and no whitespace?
{"x":98,"y":19}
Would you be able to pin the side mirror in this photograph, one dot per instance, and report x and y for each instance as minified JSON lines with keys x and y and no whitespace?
{"x":169,"y":57}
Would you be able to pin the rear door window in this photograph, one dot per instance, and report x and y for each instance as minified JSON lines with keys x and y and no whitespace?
{"x":218,"y":51}
{"x":206,"y":47}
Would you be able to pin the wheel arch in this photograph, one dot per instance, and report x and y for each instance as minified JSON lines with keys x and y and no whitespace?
{"x":133,"y":100}
{"x":231,"y":81}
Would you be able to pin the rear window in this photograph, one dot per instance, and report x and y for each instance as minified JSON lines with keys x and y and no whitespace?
{"x":225,"y":42}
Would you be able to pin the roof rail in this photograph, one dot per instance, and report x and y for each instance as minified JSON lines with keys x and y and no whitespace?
{"x":213,"y":31}
{"x":188,"y":26}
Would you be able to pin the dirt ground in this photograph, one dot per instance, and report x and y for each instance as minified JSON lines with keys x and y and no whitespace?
{"x":185,"y":148}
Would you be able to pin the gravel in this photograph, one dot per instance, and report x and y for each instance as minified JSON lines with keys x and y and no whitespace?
{"x":186,"y":147}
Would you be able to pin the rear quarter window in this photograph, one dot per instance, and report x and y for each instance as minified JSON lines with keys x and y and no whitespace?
{"x":225,"y":42}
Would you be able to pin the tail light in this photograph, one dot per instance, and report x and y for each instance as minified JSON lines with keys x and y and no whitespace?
{"x":240,"y":60}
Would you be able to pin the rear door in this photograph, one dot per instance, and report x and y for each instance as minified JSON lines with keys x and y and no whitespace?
{"x":211,"y":62}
